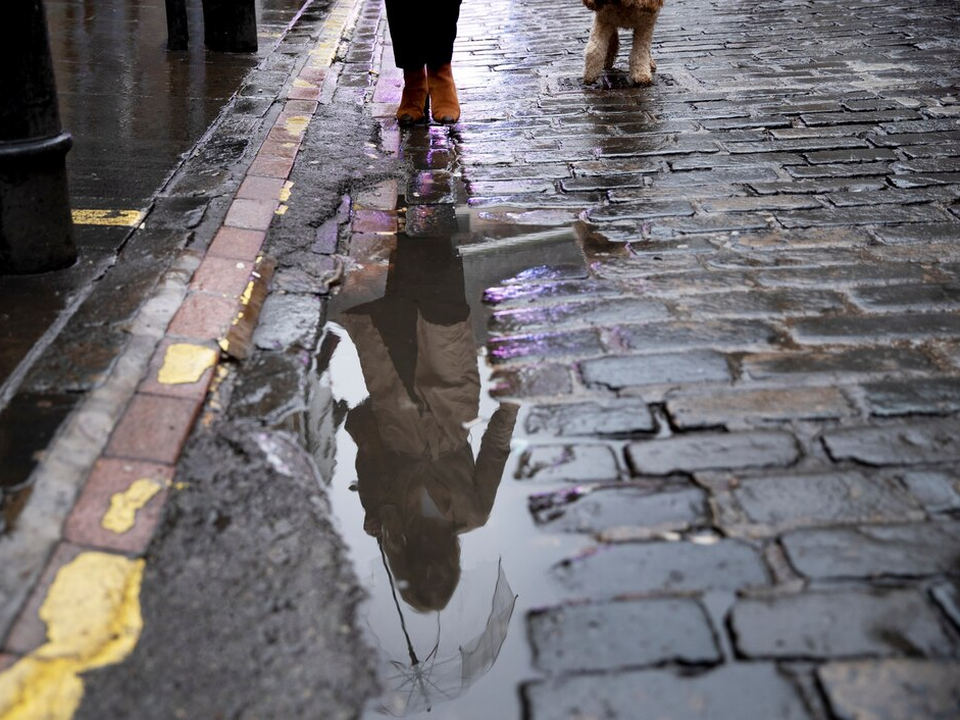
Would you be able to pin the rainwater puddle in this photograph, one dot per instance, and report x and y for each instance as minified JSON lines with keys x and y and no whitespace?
{"x":421,"y":476}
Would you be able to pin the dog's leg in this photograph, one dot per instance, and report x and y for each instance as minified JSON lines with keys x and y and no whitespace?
{"x":595,"y":56}
{"x":612,"y":50}
{"x":640,"y":60}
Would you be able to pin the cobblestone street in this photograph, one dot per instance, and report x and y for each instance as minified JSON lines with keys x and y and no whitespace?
{"x":750,"y":394}
{"x":721,"y":310}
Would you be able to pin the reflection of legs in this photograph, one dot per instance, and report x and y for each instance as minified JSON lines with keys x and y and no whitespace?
{"x":430,"y":274}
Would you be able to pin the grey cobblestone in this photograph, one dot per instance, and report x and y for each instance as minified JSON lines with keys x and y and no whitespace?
{"x":840,"y":624}
{"x":892,"y":689}
{"x":621,"y":635}
{"x":938,"y":396}
{"x":670,"y":694}
{"x":869,"y":360}
{"x":836,"y":498}
{"x":713,"y":451}
{"x":634,"y":370}
{"x":623,"y":417}
{"x":734,"y":408}
{"x":903,"y":444}
{"x":568,"y":463}
{"x":937,"y":491}
{"x":628,"y":513}
{"x":777,"y":217}
{"x":672,"y":567}
{"x":865,"y":552}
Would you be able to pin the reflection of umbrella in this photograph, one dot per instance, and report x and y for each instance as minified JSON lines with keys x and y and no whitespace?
{"x":417,"y":684}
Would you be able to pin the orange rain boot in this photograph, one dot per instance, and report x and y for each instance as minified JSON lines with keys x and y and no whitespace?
{"x":413,"y":102}
{"x":444,"y":104}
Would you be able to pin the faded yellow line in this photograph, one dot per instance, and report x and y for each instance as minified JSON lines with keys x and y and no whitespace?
{"x":92,"y":613}
{"x":115,"y":218}
{"x":124,"y":506}
{"x":185,"y":364}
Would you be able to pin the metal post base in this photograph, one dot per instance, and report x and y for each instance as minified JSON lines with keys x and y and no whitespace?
{"x":36,"y":228}
{"x":230,"y":25}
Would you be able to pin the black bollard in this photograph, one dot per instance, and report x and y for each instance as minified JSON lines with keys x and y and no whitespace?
{"x":36,"y":230}
{"x":177,"y":33}
{"x":230,"y":25}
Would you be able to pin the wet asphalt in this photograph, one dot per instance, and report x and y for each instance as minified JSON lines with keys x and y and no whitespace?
{"x":134,"y":109}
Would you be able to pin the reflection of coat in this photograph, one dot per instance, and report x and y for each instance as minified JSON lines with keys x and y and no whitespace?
{"x":414,"y":459}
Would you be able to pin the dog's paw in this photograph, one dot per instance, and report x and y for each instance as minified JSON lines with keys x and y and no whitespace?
{"x":591,"y":77}
{"x":643,"y":77}
{"x":653,"y":65}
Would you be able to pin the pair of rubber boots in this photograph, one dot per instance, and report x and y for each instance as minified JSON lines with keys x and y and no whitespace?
{"x":429,"y":85}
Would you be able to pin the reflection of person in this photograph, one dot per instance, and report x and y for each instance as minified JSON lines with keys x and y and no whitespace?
{"x":423,"y":34}
{"x":418,"y":480}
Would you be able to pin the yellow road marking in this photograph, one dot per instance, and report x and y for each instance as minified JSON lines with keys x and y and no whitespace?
{"x":116,"y":218}
{"x":92,"y":613}
{"x":184,"y":364}
{"x":297,"y":124}
{"x":122,"y":515}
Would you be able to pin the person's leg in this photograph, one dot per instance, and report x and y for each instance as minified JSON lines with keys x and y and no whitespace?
{"x":409,"y":52}
{"x":445,"y":105}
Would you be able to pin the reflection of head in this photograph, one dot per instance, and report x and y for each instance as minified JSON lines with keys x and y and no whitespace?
{"x":424,"y":556}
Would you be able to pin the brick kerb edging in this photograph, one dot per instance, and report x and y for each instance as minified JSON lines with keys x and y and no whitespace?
{"x":195,"y":304}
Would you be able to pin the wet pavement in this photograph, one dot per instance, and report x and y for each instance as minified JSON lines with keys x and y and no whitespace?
{"x":626,"y":402}
{"x":134,"y":110}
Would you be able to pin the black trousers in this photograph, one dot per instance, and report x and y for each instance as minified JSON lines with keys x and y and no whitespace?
{"x":423,"y":31}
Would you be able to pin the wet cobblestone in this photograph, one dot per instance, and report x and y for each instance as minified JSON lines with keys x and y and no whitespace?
{"x":786,"y":194}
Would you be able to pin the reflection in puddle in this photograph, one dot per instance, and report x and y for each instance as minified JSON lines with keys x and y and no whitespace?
{"x":418,"y":480}
{"x":420,"y":455}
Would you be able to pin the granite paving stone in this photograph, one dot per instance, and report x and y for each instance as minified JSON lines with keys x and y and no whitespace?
{"x":670,"y":694}
{"x":626,"y":513}
{"x":620,"y":635}
{"x":937,"y":490}
{"x":911,"y":550}
{"x":835,"y":498}
{"x":621,"y":417}
{"x":892,"y":689}
{"x":897,"y":444}
{"x":673,"y":567}
{"x":840,"y":624}
{"x":617,"y":372}
{"x":713,"y":451}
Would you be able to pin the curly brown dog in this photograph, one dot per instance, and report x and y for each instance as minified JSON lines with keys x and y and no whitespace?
{"x":610,"y":15}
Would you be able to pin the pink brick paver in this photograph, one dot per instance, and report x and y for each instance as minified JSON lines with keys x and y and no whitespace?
{"x":6,"y":661}
{"x":153,"y":428}
{"x":251,"y":214}
{"x":84,"y":525}
{"x":237,"y":243}
{"x":204,"y":317}
{"x":222,"y":276}
{"x":272,"y":166}
{"x":260,"y":188}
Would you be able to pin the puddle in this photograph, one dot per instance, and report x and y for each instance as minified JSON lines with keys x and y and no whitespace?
{"x":420,"y":471}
